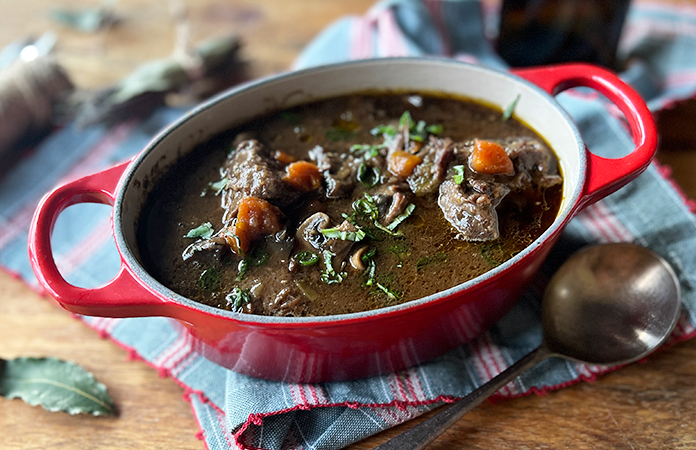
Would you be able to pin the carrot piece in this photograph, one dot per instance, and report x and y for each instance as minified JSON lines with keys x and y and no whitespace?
{"x":303,"y":175}
{"x":255,"y":218}
{"x":402,"y":163}
{"x":284,"y":158}
{"x":490,"y":157}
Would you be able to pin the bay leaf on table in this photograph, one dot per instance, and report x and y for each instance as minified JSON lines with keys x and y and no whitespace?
{"x":55,"y":384}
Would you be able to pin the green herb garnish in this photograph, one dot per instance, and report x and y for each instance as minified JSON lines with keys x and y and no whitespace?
{"x":507,"y":114}
{"x":392,"y":294}
{"x":383,"y":284}
{"x":329,"y":275}
{"x":368,"y":176}
{"x":436,"y":128}
{"x":418,"y":131}
{"x":387,"y":230}
{"x":204,"y":231}
{"x":458,"y":176}
{"x":209,"y":279}
{"x":218,"y":186}
{"x":367,"y":151}
{"x":242,"y":268}
{"x":306,"y":258}
{"x":406,"y":120}
{"x":433,"y":259}
{"x":401,"y":217}
{"x":258,"y":257}
{"x":369,"y":272}
{"x":335,"y":233}
{"x":366,"y":206}
{"x":386,"y":130}
{"x":238,"y":298}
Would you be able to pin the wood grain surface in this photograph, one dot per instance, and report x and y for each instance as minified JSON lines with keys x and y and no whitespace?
{"x":644,"y":406}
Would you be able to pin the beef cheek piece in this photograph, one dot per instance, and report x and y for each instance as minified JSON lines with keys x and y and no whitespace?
{"x":470,"y":196}
{"x":251,"y":172}
{"x":349,"y":204}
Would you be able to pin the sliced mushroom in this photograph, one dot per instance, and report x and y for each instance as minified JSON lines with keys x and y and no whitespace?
{"x":356,"y":259}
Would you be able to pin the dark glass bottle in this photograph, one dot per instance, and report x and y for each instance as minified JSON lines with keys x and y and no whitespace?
{"x":538,"y":32}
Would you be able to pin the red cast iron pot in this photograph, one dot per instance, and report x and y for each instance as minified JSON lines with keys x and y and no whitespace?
{"x":313,"y":349}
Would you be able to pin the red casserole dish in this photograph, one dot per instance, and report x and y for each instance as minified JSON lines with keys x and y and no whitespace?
{"x":314,"y":349}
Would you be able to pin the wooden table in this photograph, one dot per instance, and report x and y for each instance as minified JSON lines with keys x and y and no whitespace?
{"x":644,"y":406}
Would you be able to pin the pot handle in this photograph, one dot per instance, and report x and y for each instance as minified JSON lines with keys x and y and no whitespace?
{"x":123,"y":296}
{"x":604,"y":175}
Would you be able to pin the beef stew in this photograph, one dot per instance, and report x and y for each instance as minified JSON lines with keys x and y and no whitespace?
{"x":349,"y":204}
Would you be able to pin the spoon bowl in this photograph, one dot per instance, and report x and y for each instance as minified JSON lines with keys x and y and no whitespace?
{"x":608,"y":304}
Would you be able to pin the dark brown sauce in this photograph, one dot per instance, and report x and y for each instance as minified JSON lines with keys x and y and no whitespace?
{"x":428,"y":258}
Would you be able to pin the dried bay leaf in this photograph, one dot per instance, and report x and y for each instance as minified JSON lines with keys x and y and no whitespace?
{"x":155,"y":76}
{"x":54,"y":384}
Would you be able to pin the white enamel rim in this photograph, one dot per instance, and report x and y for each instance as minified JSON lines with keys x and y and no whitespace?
{"x":535,"y":107}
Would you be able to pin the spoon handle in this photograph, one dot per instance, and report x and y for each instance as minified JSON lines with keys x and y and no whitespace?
{"x":421,"y":435}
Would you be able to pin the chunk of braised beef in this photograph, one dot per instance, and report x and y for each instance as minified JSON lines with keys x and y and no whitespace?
{"x":472,"y":212}
{"x":534,"y":164}
{"x":389,"y":197}
{"x":252,"y":172}
{"x":398,"y":204}
{"x":339,"y":171}
{"x":427,"y":176}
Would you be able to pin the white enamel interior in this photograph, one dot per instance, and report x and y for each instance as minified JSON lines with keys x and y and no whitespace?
{"x":535,"y":108}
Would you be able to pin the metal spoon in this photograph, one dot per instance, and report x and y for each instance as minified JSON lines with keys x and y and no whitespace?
{"x":608,"y":304}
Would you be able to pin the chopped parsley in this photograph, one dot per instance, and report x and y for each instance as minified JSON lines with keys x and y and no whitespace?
{"x":216,"y":187}
{"x":406,"y":120}
{"x":392,"y":294}
{"x":204,"y":231}
{"x":401,"y":217}
{"x":329,"y":275}
{"x":242,"y":268}
{"x":366,"y":207}
{"x":209,"y":279}
{"x":335,"y":233}
{"x":238,"y":298}
{"x":369,"y":272}
{"x":368,"y":176}
{"x":306,"y":258}
{"x":418,"y":131}
{"x":458,"y":176}
{"x":385,"y":130}
{"x":383,"y":285}
{"x":436,"y":128}
{"x":256,"y":258}
{"x":507,"y":114}
{"x":366,"y":151}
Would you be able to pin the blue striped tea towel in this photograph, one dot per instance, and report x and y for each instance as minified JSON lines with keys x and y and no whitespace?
{"x":236,"y":411}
